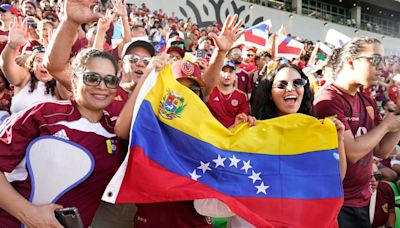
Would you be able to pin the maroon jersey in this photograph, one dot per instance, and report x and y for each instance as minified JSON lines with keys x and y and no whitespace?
{"x":59,"y":119}
{"x":244,"y":82}
{"x":353,"y":112}
{"x":225,"y":107}
{"x":384,"y":204}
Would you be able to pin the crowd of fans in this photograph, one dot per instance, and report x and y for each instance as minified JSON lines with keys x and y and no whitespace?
{"x":35,"y":67}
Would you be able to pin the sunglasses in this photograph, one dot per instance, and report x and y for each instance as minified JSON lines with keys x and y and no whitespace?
{"x":375,"y":59}
{"x":297,"y":83}
{"x":39,"y":49}
{"x":378,"y":176}
{"x":94,"y":79}
{"x":178,"y":45}
{"x":135,"y":59}
{"x":250,"y":55}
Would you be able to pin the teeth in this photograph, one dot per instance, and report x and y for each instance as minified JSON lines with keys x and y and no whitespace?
{"x":291,"y":97}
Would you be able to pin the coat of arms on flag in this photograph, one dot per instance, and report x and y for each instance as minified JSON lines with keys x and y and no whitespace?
{"x":281,"y":172}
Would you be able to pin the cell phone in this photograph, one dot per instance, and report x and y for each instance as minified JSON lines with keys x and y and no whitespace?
{"x":69,"y":217}
{"x":200,"y":54}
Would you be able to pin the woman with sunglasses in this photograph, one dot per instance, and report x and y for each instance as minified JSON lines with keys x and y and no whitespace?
{"x":81,"y":122}
{"x":358,"y":64}
{"x":32,"y":83}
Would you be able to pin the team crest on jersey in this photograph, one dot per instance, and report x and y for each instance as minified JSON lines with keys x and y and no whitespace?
{"x":171,"y":105}
{"x":234,"y":102}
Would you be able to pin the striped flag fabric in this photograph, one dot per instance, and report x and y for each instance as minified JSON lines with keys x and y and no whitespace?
{"x":287,"y":47}
{"x":256,"y":35}
{"x":336,"y":38}
{"x":281,"y":172}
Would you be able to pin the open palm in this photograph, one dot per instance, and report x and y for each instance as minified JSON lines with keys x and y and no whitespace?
{"x":81,"y":11}
{"x":229,"y":34}
{"x":18,"y":34}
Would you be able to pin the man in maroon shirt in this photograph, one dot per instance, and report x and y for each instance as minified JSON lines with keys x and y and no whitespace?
{"x":243,"y":78}
{"x":358,"y":63}
{"x":225,"y":101}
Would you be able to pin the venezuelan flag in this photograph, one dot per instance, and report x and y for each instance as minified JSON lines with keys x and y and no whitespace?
{"x":283,"y":172}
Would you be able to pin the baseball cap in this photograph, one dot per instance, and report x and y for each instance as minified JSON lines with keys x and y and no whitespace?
{"x":177,"y":49}
{"x":7,"y":7}
{"x":229,"y":63}
{"x":139,"y":42}
{"x":187,"y":69}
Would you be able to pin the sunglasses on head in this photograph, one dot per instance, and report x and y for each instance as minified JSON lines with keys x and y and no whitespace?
{"x":178,"y":45}
{"x":135,"y":59}
{"x":94,"y":79}
{"x":375,"y":59}
{"x":297,"y":83}
{"x":378,"y":176}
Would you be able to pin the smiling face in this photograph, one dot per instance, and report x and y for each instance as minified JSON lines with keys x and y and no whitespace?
{"x":288,"y":100}
{"x":95,"y":98}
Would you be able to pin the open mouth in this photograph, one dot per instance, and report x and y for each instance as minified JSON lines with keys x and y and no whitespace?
{"x":139,"y":73}
{"x":291,"y":99}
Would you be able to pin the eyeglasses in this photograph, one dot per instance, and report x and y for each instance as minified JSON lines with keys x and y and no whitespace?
{"x":195,"y":89}
{"x":135,"y":59}
{"x":39,"y":49}
{"x":375,"y":59}
{"x":250,"y":55}
{"x":378,"y":176}
{"x":94,"y":79}
{"x":297,"y":83}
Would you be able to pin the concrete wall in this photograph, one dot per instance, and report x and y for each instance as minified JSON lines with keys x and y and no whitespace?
{"x":204,"y":12}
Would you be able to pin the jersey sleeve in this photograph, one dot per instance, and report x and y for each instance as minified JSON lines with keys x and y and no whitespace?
{"x":330,"y":105}
{"x":15,"y":135}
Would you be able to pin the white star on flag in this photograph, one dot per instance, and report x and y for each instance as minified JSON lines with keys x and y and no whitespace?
{"x":194,"y":175}
{"x":262,"y":188}
{"x":246,"y":166}
{"x":204,"y":166}
{"x":255,"y":176}
{"x":234,"y":161}
{"x":219,"y":161}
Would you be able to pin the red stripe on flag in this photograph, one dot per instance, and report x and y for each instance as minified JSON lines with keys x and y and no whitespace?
{"x":250,"y":37}
{"x":285,"y":49}
{"x":146,"y":181}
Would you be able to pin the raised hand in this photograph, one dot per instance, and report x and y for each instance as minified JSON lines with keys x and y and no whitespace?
{"x":81,"y":11}
{"x":229,"y":34}
{"x":120,"y":8}
{"x":104,"y":22}
{"x":18,"y":34}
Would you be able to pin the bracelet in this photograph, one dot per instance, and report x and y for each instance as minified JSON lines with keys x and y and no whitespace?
{"x":12,"y":47}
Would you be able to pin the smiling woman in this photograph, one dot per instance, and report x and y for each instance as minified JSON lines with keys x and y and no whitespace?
{"x":80,"y":124}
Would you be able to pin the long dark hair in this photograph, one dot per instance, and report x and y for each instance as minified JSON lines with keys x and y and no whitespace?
{"x":265,"y":108}
{"x":50,"y":85}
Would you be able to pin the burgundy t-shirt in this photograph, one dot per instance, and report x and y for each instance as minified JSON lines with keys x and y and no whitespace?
{"x":352,"y":111}
{"x":244,"y":81}
{"x":225,"y":107}
{"x":61,"y":119}
{"x":114,"y":109}
{"x":384,"y":204}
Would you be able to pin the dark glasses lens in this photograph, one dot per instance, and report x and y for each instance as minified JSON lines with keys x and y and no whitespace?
{"x":94,"y":79}
{"x":297,"y":83}
{"x":376,"y":60}
{"x":378,"y":176}
{"x":135,"y":59}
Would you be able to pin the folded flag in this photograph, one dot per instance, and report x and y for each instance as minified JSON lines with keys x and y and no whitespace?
{"x":281,"y":172}
{"x":287,"y":47}
{"x":336,"y":38}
